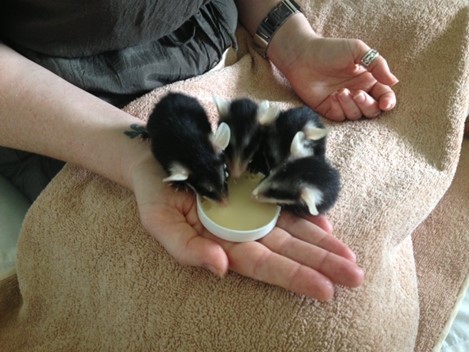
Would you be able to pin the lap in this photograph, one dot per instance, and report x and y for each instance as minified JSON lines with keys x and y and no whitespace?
{"x":29,"y":173}
{"x":13,"y":208}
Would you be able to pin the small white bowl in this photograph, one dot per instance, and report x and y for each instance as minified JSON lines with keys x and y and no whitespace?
{"x":247,"y":233}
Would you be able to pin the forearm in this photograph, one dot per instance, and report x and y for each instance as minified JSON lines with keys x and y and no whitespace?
{"x":42,"y":113}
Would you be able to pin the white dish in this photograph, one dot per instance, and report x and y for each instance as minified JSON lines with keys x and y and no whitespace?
{"x":243,"y":219}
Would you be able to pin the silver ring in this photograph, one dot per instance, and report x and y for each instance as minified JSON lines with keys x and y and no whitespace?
{"x":369,"y":57}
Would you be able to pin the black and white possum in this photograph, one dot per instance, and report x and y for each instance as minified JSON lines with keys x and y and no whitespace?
{"x":302,"y":184}
{"x":247,"y":120}
{"x":280,"y":133}
{"x":183,"y":142}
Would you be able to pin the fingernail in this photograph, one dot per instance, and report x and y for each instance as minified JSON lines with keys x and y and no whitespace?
{"x":353,"y":256}
{"x":359,"y":277}
{"x":344,"y":92}
{"x":328,"y":293}
{"x":389,"y":106}
{"x":359,"y":98}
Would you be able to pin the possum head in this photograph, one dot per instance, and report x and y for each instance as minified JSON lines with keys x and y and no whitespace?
{"x":302,"y":184}
{"x":304,"y":143}
{"x":285,"y":188}
{"x":279,"y":135}
{"x":246,"y":120}
{"x":305,"y":186}
{"x":208,"y":175}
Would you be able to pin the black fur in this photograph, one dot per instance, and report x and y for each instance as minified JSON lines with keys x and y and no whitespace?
{"x":180,"y":131}
{"x":286,"y":182}
{"x":280,"y":133}
{"x":246,"y":131}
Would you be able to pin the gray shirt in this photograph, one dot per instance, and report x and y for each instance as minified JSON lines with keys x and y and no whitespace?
{"x":120,"y":49}
{"x":71,"y":28}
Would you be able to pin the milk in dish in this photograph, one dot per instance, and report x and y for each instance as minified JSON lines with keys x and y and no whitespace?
{"x":243,"y":212}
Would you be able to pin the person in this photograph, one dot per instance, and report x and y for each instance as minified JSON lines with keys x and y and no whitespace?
{"x":66,"y":70}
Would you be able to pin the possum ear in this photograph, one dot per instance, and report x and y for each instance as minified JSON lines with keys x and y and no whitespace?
{"x":221,"y":137}
{"x":177,"y":172}
{"x":266,"y":113}
{"x":311,"y":196}
{"x":223,"y":105}
{"x":297,"y":148}
{"x":316,"y":133}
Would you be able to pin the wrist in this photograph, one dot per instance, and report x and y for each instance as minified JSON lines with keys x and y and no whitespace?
{"x":274,"y":20}
{"x":138,"y":162}
{"x":290,"y":40}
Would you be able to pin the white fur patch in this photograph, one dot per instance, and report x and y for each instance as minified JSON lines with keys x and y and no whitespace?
{"x":298,"y":148}
{"x":313,"y":132}
{"x":223,"y":105}
{"x":177,"y":172}
{"x":221,"y":138}
{"x":266,"y":113}
{"x":263,"y":187}
{"x":312,"y":196}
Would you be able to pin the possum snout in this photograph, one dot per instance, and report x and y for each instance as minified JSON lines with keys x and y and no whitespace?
{"x":237,"y":167}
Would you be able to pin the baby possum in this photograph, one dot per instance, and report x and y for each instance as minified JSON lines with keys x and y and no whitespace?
{"x":281,"y":132}
{"x":182,"y":141}
{"x":246,"y":120}
{"x":301,"y":184}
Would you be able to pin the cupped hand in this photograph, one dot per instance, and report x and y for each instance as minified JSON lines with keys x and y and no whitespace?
{"x":327,"y":75}
{"x":298,"y":255}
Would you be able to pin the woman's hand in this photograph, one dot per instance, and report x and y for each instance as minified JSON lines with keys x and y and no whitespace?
{"x":327,"y":75}
{"x":298,"y":255}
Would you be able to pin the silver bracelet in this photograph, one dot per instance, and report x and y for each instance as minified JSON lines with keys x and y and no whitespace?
{"x":272,"y":22}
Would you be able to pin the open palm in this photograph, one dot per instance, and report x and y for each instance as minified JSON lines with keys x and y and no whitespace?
{"x":298,"y":254}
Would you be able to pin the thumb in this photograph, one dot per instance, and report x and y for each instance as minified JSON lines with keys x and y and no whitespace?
{"x":379,"y":67}
{"x":380,"y":70}
{"x":197,"y":251}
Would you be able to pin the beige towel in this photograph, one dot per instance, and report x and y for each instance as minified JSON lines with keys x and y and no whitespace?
{"x":441,"y":246}
{"x":89,"y":278}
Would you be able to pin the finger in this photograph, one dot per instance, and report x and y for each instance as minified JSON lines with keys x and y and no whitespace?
{"x":189,"y":248}
{"x":349,"y":107}
{"x":308,"y":232}
{"x":367,"y":105}
{"x":322,"y":221}
{"x":335,"y":267}
{"x":207,"y":254}
{"x":272,"y":268}
{"x":384,"y":95}
{"x":379,"y":68}
{"x":332,"y":109}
